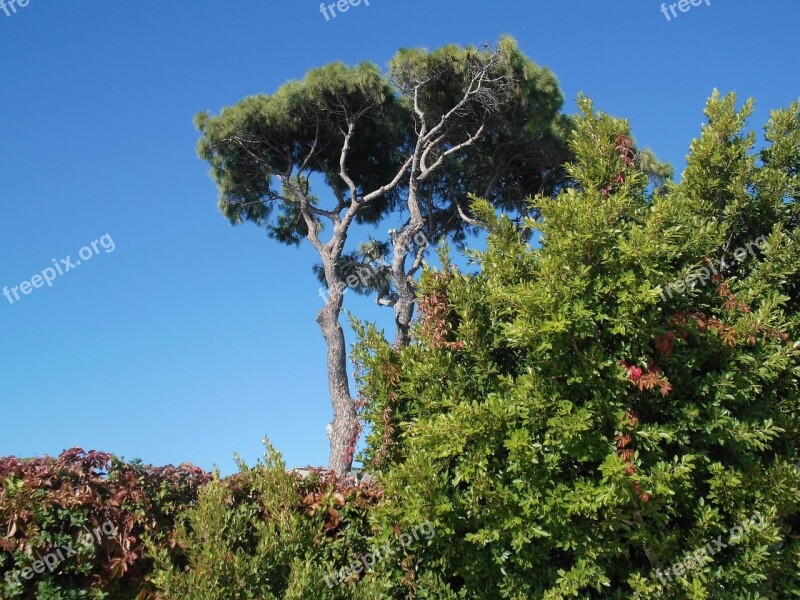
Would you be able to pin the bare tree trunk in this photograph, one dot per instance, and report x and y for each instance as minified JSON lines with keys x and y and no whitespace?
{"x":404,"y":315}
{"x":406,"y":291}
{"x":343,"y":427}
{"x":342,"y":431}
{"x":404,"y":280}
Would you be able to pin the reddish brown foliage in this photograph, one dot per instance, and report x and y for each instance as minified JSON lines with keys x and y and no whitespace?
{"x":44,"y":499}
{"x":648,"y":379}
{"x":625,"y":452}
{"x":335,"y":496}
{"x":623,"y":144}
{"x":436,"y":311}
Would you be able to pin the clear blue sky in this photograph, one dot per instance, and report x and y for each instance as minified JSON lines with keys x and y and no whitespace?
{"x":193,"y":339}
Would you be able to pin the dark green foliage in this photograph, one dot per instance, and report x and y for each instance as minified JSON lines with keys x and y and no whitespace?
{"x":299,"y":132}
{"x":301,"y":127}
{"x":523,"y":147}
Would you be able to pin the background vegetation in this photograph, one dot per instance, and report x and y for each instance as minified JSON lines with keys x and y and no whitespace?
{"x":564,"y":428}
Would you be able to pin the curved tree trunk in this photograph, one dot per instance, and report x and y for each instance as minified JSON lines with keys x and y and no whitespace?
{"x":342,"y":431}
{"x":404,"y":282}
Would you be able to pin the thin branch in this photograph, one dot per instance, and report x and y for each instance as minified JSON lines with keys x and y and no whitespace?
{"x":351,"y":126}
{"x":418,"y":259}
{"x":305,"y":210}
{"x":391,"y":185}
{"x":431,"y":146}
{"x":427,"y":172}
{"x":467,"y":219}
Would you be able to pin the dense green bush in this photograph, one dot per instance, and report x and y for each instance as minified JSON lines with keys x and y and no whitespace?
{"x":573,"y":425}
{"x":265,"y":534}
{"x":49,"y":505}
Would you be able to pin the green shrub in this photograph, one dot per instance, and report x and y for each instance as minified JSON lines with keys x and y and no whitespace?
{"x":569,"y":431}
{"x":265,"y":534}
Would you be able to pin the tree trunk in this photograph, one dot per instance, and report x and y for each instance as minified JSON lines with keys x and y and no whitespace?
{"x":406,"y":297}
{"x":406,"y":292}
{"x":343,"y":427}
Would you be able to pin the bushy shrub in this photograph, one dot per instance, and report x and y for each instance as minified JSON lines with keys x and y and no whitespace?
{"x":180,"y":533}
{"x":269,"y":534}
{"x":570,"y":425}
{"x":92,"y":504}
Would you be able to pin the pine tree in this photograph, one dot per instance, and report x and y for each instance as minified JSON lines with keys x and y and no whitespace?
{"x":417,"y":139}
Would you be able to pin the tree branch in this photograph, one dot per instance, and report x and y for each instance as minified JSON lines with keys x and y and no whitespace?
{"x":427,"y":172}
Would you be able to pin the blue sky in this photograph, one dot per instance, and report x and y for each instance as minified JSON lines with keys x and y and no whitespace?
{"x":194,"y":339}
